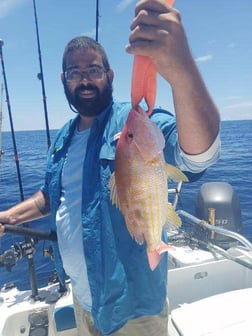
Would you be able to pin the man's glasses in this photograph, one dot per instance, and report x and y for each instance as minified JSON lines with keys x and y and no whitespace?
{"x":92,"y":73}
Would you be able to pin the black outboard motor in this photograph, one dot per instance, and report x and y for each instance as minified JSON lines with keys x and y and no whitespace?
{"x":219,"y":199}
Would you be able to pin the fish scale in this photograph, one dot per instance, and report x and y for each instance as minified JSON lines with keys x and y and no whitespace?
{"x":146,"y":204}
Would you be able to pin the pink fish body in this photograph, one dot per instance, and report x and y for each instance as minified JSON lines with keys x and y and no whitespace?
{"x":139,"y":185}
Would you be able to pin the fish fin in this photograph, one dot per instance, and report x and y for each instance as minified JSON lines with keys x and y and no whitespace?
{"x":173,"y":221}
{"x":113,"y":192}
{"x":154,"y":256}
{"x":175,"y":174}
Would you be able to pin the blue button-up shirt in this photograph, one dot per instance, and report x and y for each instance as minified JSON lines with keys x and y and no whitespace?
{"x":122,"y":285}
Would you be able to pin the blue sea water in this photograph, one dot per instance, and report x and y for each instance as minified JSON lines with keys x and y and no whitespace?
{"x":234,"y":167}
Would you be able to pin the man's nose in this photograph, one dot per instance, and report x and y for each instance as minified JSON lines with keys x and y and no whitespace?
{"x":84,"y":77}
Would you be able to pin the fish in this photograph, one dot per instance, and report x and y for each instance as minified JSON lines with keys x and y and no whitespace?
{"x":144,"y":80}
{"x":139,"y":184}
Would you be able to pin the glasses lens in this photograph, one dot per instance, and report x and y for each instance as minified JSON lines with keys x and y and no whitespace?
{"x":95,"y":73}
{"x":75,"y":75}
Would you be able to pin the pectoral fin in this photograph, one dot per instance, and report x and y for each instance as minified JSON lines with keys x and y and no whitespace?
{"x":175,"y":174}
{"x":113,"y":192}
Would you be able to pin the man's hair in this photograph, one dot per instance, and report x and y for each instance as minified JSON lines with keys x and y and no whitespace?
{"x":85,"y":43}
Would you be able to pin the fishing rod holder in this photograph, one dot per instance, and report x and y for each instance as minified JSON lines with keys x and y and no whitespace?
{"x":17,"y":251}
{"x":25,"y":248}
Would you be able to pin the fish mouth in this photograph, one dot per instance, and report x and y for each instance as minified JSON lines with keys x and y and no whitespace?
{"x":138,"y":114}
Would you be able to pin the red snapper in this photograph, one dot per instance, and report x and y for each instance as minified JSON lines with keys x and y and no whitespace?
{"x":139,"y":185}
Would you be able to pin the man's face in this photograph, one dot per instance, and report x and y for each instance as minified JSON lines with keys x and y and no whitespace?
{"x":89,"y":96}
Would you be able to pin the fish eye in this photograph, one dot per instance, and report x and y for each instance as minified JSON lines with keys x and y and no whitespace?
{"x":129,"y":137}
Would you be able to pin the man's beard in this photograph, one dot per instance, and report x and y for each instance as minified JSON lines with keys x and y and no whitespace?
{"x":89,"y":106}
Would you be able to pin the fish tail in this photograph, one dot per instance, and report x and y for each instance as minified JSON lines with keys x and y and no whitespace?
{"x":144,"y":82}
{"x":154,"y":256}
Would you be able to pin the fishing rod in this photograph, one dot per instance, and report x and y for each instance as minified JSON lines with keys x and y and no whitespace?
{"x":11,"y":123}
{"x":1,"y":121}
{"x":41,"y":76}
{"x":28,"y":232}
{"x":97,"y":20}
{"x":33,"y":281}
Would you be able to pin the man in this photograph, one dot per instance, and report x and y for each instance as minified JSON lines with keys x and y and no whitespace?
{"x":115,"y":292}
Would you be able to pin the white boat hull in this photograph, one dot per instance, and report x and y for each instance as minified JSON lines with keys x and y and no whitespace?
{"x":203,"y":289}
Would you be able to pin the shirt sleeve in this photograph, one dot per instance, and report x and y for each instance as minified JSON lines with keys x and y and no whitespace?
{"x":199,"y":162}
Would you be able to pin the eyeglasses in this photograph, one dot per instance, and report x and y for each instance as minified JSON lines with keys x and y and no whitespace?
{"x":92,"y":73}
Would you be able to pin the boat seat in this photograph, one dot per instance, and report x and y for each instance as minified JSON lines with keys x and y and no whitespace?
{"x":64,"y":318}
{"x":226,"y":314}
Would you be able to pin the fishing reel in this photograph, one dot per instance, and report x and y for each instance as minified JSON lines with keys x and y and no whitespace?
{"x":17,"y":251}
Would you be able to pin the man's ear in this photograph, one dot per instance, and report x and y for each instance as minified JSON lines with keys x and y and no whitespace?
{"x":62,"y":76}
{"x":110,"y":74}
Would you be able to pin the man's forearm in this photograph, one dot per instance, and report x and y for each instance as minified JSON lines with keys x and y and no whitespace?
{"x":35,"y":207}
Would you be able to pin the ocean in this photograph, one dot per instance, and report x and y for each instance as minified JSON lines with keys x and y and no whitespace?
{"x":234,"y":167}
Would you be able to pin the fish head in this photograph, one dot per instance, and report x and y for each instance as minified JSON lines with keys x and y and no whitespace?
{"x":142,"y":134}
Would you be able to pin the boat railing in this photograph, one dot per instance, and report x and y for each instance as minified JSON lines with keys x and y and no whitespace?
{"x":245,"y":257}
{"x":216,"y":229}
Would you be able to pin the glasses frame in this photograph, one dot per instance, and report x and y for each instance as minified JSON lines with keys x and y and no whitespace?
{"x":86,"y":74}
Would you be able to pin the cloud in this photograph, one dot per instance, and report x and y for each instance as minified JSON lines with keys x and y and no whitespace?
{"x":238,"y":111}
{"x":231,"y":45}
{"x":211,"y":42}
{"x":7,"y":6}
{"x":239,"y":105}
{"x":205,"y":58}
{"x":233,"y":97}
{"x":123,"y":4}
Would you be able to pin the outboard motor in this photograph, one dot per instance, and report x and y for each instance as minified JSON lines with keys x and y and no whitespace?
{"x":218,"y":204}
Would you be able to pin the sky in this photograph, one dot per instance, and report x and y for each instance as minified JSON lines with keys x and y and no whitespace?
{"x":219,"y":34}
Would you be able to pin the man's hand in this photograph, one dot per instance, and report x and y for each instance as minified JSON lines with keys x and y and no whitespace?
{"x":157,"y":32}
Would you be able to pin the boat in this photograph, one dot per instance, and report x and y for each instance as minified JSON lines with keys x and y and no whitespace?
{"x":209,"y":277}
